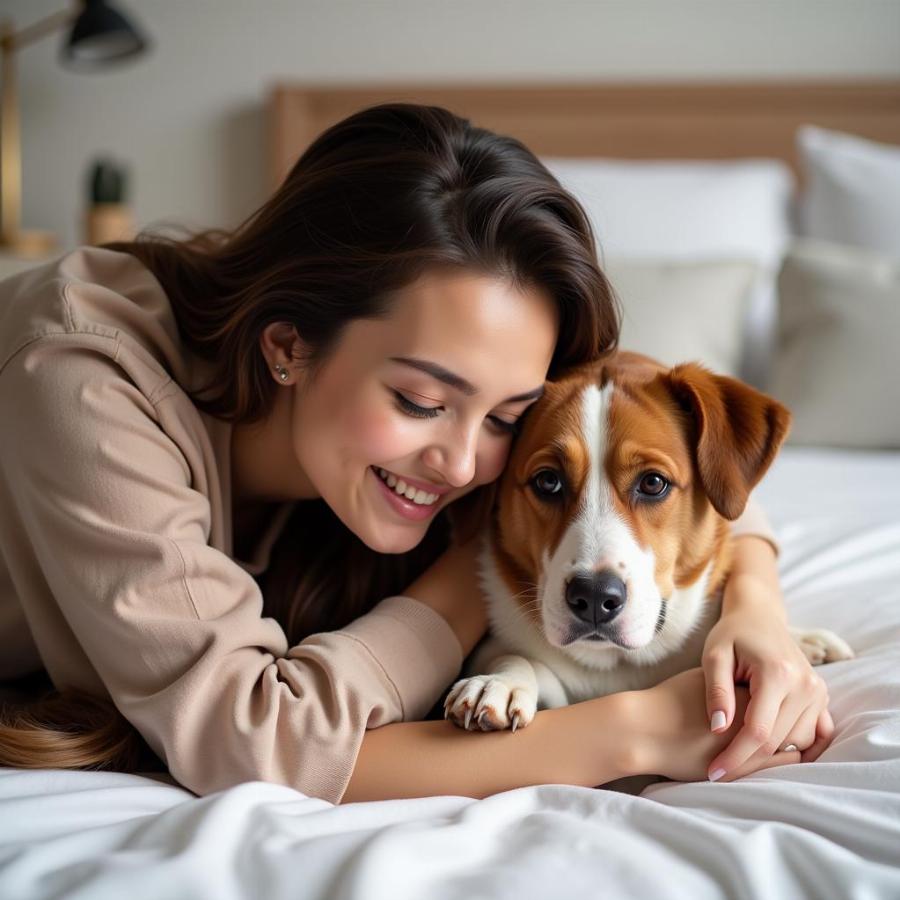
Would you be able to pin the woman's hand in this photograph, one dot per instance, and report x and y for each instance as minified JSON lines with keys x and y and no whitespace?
{"x":671,"y":736}
{"x":751,"y":643}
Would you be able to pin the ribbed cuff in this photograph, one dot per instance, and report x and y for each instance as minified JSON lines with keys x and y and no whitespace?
{"x":417,"y":648}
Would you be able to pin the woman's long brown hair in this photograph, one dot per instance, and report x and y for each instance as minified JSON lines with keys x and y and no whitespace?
{"x":376,"y":200}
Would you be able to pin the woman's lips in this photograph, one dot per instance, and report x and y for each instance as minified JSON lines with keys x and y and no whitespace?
{"x":418,"y":485}
{"x":414,"y":512}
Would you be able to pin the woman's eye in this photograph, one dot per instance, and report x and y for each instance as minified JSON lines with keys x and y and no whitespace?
{"x":653,"y":485}
{"x":429,"y":412}
{"x":504,"y":426}
{"x":547,"y":484}
{"x":413,"y":409}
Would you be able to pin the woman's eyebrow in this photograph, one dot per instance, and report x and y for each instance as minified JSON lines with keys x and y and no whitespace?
{"x":457,"y":381}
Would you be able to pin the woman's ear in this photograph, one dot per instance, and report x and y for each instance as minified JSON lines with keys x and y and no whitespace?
{"x":738,"y":432}
{"x":471,"y":513}
{"x":281,"y":346}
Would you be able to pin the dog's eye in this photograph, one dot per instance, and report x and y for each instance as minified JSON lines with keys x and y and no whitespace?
{"x":653,"y":485}
{"x":547,"y":483}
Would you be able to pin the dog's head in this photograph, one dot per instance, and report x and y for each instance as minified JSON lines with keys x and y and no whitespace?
{"x":616,"y":498}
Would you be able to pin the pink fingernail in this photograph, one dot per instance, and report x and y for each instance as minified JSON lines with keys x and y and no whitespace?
{"x":717,"y":721}
{"x":715,"y":776}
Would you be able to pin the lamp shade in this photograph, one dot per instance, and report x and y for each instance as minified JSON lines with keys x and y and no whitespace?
{"x":100,"y":35}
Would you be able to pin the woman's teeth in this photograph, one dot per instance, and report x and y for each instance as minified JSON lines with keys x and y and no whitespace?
{"x":422,"y":498}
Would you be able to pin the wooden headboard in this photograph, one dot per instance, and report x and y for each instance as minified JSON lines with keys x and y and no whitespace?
{"x":693,"y":120}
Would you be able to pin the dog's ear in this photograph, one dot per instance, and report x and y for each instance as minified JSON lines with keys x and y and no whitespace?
{"x":738,"y":432}
{"x":469,"y":514}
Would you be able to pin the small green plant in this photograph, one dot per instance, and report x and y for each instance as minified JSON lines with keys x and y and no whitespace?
{"x":107,"y":183}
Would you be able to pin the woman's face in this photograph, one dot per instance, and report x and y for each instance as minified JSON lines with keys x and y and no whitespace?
{"x":425,"y":396}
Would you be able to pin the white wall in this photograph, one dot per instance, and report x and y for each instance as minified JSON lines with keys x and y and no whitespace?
{"x":188,"y":118}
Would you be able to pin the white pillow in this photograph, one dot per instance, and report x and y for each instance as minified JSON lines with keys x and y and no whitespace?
{"x":837,"y":365}
{"x":678,"y":311}
{"x":693,"y":210}
{"x":853,"y":189}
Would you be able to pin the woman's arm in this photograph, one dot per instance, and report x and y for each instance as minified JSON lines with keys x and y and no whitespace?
{"x":754,"y":577}
{"x":659,"y":731}
{"x":583,"y":744}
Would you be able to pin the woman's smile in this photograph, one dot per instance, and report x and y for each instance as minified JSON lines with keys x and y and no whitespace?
{"x":412,"y":488}
{"x":422,"y":505}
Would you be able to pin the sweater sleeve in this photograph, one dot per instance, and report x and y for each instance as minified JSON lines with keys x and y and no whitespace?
{"x":753,"y":520}
{"x":104,"y":511}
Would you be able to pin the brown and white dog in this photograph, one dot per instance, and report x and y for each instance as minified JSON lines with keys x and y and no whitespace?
{"x":608,"y":538}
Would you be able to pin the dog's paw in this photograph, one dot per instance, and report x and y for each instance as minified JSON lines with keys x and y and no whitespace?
{"x":489,"y":703}
{"x":822,"y":646}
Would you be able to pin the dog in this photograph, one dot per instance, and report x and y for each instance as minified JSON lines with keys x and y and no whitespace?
{"x":606,"y":541}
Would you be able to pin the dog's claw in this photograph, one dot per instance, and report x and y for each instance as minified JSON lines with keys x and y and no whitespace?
{"x":515,"y":722}
{"x":469,"y":712}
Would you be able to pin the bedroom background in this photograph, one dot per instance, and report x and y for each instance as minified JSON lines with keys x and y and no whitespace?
{"x":188,"y":117}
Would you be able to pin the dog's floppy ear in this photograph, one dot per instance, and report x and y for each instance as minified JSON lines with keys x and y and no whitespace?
{"x":471,"y":513}
{"x":738,"y":432}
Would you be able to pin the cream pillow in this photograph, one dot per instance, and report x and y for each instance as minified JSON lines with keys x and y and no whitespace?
{"x":693,"y":211}
{"x":837,"y":359}
{"x":684,"y":311}
{"x":853,"y":190}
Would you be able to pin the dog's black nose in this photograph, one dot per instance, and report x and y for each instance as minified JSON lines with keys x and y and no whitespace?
{"x":596,"y":597}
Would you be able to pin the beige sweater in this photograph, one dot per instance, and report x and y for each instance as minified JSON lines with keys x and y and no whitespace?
{"x":117,"y":573}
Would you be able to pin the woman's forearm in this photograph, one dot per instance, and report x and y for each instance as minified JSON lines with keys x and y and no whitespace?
{"x":583,"y":744}
{"x":753,"y":576}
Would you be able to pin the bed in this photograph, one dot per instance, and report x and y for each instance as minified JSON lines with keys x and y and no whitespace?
{"x":824,"y":829}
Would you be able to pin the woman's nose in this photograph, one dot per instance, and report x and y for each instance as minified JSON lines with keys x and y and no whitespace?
{"x":455,"y":458}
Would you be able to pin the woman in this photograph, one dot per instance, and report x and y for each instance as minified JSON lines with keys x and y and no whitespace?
{"x":198,"y":543}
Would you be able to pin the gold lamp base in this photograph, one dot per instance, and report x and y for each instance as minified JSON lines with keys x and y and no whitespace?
{"x":28,"y":243}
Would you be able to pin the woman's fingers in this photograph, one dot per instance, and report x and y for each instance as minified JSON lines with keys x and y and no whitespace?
{"x":781,"y":758}
{"x":823,"y":729}
{"x":718,"y":670}
{"x":794,"y":726}
{"x":811,"y":724}
{"x":824,"y":733}
{"x":810,"y":733}
{"x":759,"y":723}
{"x":803,"y":734}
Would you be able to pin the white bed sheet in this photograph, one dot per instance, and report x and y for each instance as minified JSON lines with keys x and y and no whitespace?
{"x":824,"y":829}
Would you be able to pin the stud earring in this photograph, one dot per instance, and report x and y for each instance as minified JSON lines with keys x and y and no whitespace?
{"x":282,"y":372}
